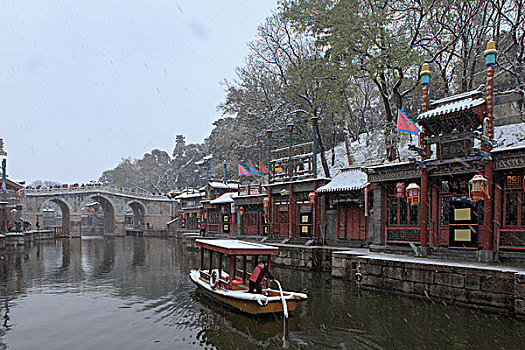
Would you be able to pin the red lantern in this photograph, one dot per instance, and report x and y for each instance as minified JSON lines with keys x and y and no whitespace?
{"x":241,"y":210}
{"x":413,"y":191}
{"x":266,"y":202}
{"x":477,"y":187}
{"x":400,"y":190}
{"x":198,"y":215}
{"x":311,"y":197}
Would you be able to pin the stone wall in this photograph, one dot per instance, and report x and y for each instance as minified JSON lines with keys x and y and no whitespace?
{"x":304,"y":257}
{"x":480,"y":286}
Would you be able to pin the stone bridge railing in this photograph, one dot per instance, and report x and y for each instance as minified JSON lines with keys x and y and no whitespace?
{"x":96,"y":188}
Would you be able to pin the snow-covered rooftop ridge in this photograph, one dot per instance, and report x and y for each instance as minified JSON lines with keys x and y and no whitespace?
{"x":469,"y":94}
{"x":185,"y":195}
{"x":347,"y":180}
{"x":216,"y":184}
{"x":223,"y":199}
{"x":455,"y":106}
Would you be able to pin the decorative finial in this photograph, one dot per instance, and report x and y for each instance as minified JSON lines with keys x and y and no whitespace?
{"x":425,"y":69}
{"x":491,"y":48}
{"x":425,"y":74}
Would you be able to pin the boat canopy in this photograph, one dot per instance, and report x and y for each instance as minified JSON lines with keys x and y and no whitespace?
{"x":236,"y":247}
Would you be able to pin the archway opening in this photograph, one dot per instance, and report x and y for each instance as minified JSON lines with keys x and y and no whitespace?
{"x":92,"y":219}
{"x":55,"y":216}
{"x":134,"y":213}
{"x":98,"y":217}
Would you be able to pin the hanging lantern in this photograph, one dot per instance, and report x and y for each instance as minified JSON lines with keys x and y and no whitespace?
{"x":198,"y":215}
{"x":311,"y":197}
{"x":241,"y":210}
{"x":477,"y":187}
{"x":266,"y":202}
{"x":413,"y":191}
{"x":400,"y":190}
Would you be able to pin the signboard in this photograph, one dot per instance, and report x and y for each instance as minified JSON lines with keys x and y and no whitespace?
{"x":454,"y":148}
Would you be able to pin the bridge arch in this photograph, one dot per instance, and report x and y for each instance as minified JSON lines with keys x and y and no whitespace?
{"x":139,"y":212}
{"x":66,"y":210}
{"x":107,"y":207}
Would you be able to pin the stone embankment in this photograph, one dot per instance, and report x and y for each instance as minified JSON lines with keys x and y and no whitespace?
{"x":492,"y":287}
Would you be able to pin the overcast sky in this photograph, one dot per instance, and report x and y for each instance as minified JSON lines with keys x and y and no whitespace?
{"x":84,"y":84}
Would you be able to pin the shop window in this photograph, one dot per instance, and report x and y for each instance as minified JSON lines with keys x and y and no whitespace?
{"x":403,"y":211}
{"x":511,"y":209}
{"x":413,"y":215}
{"x":523,"y":210}
{"x":400,"y":213}
{"x":393,"y":212}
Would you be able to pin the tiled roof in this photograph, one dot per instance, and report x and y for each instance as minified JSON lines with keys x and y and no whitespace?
{"x":348,"y":180}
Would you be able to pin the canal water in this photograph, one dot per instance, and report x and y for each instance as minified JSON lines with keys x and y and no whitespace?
{"x":135,"y":293}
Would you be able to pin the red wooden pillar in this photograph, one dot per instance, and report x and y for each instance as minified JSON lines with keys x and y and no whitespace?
{"x":425,"y":80}
{"x":210,"y":263}
{"x":487,"y":208}
{"x":202,"y":259}
{"x":497,"y":212}
{"x":244,"y":258}
{"x":435,"y":216}
{"x":290,"y":211}
{"x":488,"y":131}
{"x":232,"y":271}
{"x":220,"y":269}
{"x":423,"y":208}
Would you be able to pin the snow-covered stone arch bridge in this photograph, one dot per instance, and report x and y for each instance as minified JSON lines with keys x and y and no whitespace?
{"x":155,"y":210}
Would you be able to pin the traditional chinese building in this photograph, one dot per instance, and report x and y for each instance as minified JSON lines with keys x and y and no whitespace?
{"x":292,"y":207}
{"x":467,"y":189}
{"x":345,"y":204}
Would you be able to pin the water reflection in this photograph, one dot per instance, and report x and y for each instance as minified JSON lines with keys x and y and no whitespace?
{"x":135,"y":293}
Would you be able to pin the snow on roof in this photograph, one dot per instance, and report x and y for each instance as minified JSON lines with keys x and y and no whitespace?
{"x":223,"y":199}
{"x":455,"y":106}
{"x":509,"y":136}
{"x":468,"y":94}
{"x":229,"y":244}
{"x":231,"y":186}
{"x":348,"y":180}
{"x":186,"y":195}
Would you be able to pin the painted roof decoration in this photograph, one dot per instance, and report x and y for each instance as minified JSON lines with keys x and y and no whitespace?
{"x":348,"y":180}
{"x":223,"y":199}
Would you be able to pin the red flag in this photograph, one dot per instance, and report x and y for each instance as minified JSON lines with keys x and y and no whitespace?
{"x":262,"y":168}
{"x":243,"y":171}
{"x":405,"y":124}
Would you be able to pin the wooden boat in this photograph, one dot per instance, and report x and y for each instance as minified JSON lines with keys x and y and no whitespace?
{"x":233,"y":291}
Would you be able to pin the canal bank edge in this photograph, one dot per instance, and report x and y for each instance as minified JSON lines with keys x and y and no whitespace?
{"x":494,"y":288}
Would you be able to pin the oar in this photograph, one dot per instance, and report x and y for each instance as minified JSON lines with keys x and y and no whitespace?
{"x":285,"y":320}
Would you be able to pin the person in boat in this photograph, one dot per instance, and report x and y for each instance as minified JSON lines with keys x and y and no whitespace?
{"x":257,"y":279}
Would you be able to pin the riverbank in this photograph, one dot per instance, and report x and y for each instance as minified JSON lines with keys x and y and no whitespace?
{"x":496,"y":287}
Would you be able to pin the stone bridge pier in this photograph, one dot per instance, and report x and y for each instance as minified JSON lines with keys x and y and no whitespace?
{"x":155,"y":210}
